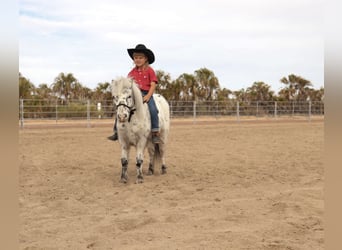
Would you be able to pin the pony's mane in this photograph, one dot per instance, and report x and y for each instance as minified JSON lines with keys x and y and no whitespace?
{"x":121,"y":83}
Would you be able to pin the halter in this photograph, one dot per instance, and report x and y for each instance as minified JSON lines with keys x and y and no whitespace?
{"x":131,"y":110}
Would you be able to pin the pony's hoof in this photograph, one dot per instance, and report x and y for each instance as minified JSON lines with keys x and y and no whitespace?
{"x":139,"y":180}
{"x":123,"y":180}
{"x":163,"y":170}
{"x":150,"y":172}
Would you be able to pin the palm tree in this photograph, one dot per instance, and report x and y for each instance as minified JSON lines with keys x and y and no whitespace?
{"x":164,"y":84}
{"x":316,"y":94}
{"x":259,"y":91}
{"x":177,"y":89}
{"x":43,"y":91}
{"x":297,"y":87}
{"x":76,"y":90}
{"x":65,"y":86}
{"x":85,"y":93}
{"x":285,"y":94}
{"x":103,"y":91}
{"x":207,"y":83}
{"x":223,"y":94}
{"x":240,"y":95}
{"x":189,"y":86}
{"x":26,"y":88}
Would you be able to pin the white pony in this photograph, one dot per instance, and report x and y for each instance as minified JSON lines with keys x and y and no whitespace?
{"x":134,"y":126}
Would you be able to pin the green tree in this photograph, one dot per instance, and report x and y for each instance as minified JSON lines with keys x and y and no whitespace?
{"x":85,"y":93}
{"x":177,"y":90}
{"x":164,"y":84}
{"x":43,"y":91}
{"x":316,"y":94}
{"x":66,"y":87}
{"x":259,"y":91}
{"x":296,"y":87}
{"x":207,"y":83}
{"x":103,"y":92}
{"x":189,"y":86}
{"x":240,"y":95}
{"x":26,"y":88}
{"x":285,"y":94}
{"x":223,"y":94}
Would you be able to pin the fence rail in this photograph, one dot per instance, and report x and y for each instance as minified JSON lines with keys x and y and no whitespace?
{"x":32,"y":109}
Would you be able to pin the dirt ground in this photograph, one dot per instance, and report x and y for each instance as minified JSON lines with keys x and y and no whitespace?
{"x":228,"y":186}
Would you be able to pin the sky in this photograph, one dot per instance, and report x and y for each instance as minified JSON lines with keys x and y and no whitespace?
{"x":242,"y":41}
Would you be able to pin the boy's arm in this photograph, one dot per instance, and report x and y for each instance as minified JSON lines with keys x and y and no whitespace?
{"x":150,"y":92}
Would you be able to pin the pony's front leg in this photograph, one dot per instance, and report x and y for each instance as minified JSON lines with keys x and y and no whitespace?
{"x":140,"y":178}
{"x":124,"y":164}
{"x":124,"y":176}
{"x":140,"y":159}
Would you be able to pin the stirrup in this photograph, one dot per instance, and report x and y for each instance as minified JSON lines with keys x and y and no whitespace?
{"x":155,"y":138}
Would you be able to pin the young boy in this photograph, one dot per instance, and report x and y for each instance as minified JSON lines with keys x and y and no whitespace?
{"x":146,"y":78}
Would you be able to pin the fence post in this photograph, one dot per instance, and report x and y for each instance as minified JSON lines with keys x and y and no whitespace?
{"x":309,"y":111}
{"x":321,"y":106}
{"x":217,"y":113}
{"x":257,"y":110}
{"x":275,"y":109}
{"x":88,"y":113}
{"x":21,"y":113}
{"x":194,"y":109}
{"x":238,"y":111}
{"x":56,"y":110}
{"x":293,"y":108}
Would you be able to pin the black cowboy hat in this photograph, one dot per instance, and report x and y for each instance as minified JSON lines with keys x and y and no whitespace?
{"x":141,"y":48}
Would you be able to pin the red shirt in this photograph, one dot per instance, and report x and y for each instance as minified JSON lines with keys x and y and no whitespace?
{"x":143,"y":77}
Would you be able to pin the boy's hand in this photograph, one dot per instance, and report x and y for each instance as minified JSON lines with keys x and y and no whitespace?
{"x":146,"y":98}
{"x":150,"y":92}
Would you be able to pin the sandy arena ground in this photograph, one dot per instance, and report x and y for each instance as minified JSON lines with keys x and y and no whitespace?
{"x":228,"y":186}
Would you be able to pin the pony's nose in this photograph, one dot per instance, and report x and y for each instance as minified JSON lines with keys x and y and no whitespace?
{"x":122,"y":117}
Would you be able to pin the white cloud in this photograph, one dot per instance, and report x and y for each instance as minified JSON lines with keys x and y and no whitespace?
{"x":241,"y":41}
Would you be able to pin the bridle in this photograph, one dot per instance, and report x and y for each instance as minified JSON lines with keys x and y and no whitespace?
{"x":131,"y":109}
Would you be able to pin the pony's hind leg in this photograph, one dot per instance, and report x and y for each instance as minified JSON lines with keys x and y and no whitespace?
{"x":140,"y":178}
{"x":150,"y":169}
{"x":163,"y":169}
{"x":150,"y":165}
{"x":162,"y":153}
{"x":156,"y":158}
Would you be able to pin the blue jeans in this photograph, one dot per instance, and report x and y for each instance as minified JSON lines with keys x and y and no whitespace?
{"x":153,"y":113}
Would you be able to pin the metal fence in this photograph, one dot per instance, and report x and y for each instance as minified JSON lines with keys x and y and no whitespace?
{"x":53,"y":110}
{"x":257,"y":109}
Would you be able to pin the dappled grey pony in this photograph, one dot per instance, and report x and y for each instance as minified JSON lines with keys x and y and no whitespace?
{"x":134,"y":126}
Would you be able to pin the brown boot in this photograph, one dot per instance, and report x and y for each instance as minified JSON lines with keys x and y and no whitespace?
{"x":156,"y":138}
{"x":113,"y":137}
